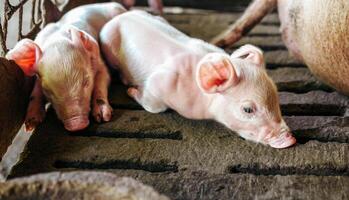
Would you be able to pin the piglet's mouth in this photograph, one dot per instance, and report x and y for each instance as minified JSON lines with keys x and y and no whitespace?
{"x":76,"y":123}
{"x":284,"y":140}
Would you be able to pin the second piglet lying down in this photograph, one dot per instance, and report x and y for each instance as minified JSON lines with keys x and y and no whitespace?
{"x":168,"y":69}
{"x":66,"y":59}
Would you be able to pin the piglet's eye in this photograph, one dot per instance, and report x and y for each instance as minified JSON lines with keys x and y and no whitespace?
{"x":248,"y":110}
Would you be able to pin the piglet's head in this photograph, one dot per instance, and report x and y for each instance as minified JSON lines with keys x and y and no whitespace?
{"x":243,"y":97}
{"x":65,"y":71}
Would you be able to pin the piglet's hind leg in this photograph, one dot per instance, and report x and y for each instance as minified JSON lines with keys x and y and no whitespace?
{"x":149,"y":95}
{"x":149,"y":102}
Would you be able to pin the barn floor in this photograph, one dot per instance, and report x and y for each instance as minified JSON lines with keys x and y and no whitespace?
{"x":188,"y":159}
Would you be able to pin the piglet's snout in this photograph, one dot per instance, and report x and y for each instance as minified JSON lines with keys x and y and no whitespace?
{"x":282,"y":141}
{"x":76,"y":123}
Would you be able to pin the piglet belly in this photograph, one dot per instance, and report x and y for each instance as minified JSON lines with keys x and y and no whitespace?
{"x":320,"y":31}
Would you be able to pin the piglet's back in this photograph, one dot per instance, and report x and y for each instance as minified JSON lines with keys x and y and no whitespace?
{"x":138,"y":44}
{"x":153,"y":38}
{"x":92,"y":17}
{"x":146,"y":39}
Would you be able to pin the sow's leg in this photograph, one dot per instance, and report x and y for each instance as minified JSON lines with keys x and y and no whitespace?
{"x":252,"y":16}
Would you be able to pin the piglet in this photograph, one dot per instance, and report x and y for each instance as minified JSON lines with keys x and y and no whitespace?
{"x":167,"y":69}
{"x":70,"y":72}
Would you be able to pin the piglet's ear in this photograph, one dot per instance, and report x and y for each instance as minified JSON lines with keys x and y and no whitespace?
{"x":26,"y":55}
{"x":81,"y":38}
{"x":215,"y":73}
{"x":251,"y":53}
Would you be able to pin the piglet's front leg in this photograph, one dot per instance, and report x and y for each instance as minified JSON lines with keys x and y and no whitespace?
{"x":36,"y":108}
{"x":102,"y":111}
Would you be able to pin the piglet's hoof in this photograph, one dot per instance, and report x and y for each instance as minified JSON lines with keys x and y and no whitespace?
{"x":132,"y":92}
{"x":102,"y":111}
{"x":31,"y":123}
{"x":33,"y":120}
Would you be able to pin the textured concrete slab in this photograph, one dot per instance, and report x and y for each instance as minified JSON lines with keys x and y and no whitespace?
{"x":200,"y":185}
{"x":165,"y":162}
{"x":297,"y":80}
{"x":319,"y":128}
{"x":188,"y":159}
{"x":280,"y":57}
{"x":205,"y":4}
{"x":77,"y":185}
{"x":168,"y":142}
{"x":266,"y":43}
{"x":313,"y":103}
{"x":276,"y":58}
{"x":207,"y":24}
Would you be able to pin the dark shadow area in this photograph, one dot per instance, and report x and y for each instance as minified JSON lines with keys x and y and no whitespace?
{"x":258,"y":169}
{"x":177,"y":135}
{"x":312,"y":110}
{"x":117,"y":164}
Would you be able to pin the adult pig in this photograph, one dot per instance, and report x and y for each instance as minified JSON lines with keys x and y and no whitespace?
{"x":70,"y":71}
{"x":316,"y":32}
{"x":168,"y":69}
